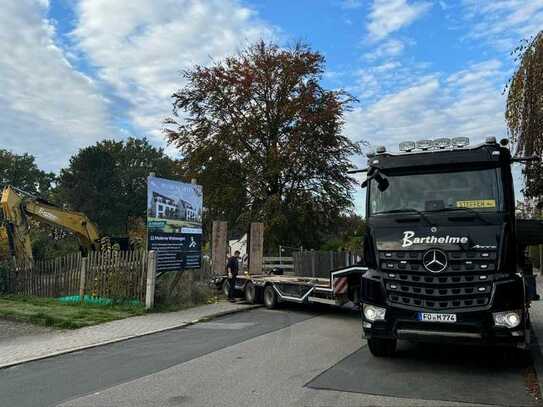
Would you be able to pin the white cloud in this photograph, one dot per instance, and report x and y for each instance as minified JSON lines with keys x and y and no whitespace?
{"x":388,"y":49}
{"x":140,"y":48}
{"x":351,"y":4}
{"x":46,"y":107}
{"x":503,"y":23}
{"x":466,"y":103}
{"x":388,"y":16}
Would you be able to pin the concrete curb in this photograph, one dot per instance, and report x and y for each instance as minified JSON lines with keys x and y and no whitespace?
{"x":125,"y":338}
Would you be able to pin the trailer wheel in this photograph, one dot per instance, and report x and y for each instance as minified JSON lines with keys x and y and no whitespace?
{"x":270,"y":297}
{"x":382,"y":347}
{"x":250,"y":293}
{"x":226,"y":287}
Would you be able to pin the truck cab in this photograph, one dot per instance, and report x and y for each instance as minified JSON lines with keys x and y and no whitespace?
{"x":444,"y":263}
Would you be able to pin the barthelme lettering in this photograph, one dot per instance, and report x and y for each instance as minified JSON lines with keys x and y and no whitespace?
{"x":410,"y":239}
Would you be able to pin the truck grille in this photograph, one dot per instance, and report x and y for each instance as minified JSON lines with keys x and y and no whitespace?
{"x":465,"y":283}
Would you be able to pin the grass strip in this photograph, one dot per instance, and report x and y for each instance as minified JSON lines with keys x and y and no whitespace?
{"x":51,"y":313}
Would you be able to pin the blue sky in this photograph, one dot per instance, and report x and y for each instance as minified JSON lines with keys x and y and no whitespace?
{"x":73,"y":72}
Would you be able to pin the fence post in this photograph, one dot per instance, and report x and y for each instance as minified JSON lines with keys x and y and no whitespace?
{"x":313,"y":264}
{"x":151,"y":277}
{"x":83,"y":278}
{"x":256,"y":249}
{"x":218,"y":247}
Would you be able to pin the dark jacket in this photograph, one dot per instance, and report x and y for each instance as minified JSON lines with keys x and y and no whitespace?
{"x":233,"y":265}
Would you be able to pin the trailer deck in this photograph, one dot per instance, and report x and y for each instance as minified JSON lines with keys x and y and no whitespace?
{"x":341,"y":287}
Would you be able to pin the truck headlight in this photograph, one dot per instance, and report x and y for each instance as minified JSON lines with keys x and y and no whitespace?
{"x":509,"y":319}
{"x":373,"y":313}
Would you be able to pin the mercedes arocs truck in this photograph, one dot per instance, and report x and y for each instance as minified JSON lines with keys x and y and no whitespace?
{"x":445,"y":255}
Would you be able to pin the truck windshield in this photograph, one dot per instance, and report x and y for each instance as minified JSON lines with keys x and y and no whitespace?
{"x":475,"y":190}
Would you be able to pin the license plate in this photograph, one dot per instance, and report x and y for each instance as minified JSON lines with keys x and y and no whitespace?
{"x":432,"y":317}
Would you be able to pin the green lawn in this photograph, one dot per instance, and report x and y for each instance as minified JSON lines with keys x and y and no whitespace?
{"x":49,"y":312}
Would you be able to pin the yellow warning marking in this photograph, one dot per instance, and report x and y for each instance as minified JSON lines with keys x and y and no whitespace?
{"x":478,"y":203}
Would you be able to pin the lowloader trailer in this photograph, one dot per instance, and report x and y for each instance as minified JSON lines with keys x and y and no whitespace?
{"x":343,"y":286}
{"x":446,"y":257}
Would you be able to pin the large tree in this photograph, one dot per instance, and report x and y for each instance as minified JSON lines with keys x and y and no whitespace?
{"x":263,"y":118}
{"x":108,"y":181}
{"x":22,"y":172}
{"x":524,"y":113}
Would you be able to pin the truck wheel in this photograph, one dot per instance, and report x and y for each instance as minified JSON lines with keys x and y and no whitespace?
{"x":250,"y":293}
{"x":226,"y":287}
{"x":270,"y":297}
{"x":381,"y":347}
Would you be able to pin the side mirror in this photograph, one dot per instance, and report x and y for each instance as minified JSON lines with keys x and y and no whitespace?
{"x":382,"y":183}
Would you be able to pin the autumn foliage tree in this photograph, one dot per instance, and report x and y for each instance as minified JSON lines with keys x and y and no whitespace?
{"x":524,"y":113}
{"x":264,"y":125}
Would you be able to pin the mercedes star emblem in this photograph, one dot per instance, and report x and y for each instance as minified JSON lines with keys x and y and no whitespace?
{"x":434,"y":260}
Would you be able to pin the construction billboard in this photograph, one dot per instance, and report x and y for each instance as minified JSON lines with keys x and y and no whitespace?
{"x":174,"y":223}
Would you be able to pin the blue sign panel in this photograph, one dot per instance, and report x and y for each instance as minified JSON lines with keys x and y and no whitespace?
{"x":174,"y":223}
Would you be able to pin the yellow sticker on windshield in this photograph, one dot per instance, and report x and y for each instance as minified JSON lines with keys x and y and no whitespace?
{"x":478,"y":203}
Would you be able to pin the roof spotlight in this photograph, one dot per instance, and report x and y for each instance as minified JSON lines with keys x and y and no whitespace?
{"x":424,"y":144}
{"x":442,"y":142}
{"x":490,"y":140}
{"x":460,"y":141}
{"x":407,"y":146}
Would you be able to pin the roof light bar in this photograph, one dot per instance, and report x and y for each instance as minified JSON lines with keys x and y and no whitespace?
{"x":490,"y":140}
{"x":442,"y":143}
{"x":407,"y":146}
{"x":460,"y":141}
{"x":424,"y":144}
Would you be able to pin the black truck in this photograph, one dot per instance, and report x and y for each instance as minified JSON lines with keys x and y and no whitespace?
{"x":446,"y":257}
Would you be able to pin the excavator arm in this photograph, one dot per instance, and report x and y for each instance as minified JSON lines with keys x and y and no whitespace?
{"x":19,"y":207}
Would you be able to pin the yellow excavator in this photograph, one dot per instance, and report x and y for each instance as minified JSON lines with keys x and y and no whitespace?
{"x":19,"y":208}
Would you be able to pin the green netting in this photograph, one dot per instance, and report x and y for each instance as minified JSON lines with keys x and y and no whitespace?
{"x":87,"y":299}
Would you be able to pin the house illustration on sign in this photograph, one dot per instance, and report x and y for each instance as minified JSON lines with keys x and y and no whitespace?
{"x":163,"y":206}
{"x":168,"y":208}
{"x":186,"y":210}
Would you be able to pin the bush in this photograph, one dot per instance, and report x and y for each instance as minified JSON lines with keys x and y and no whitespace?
{"x":177,"y":291}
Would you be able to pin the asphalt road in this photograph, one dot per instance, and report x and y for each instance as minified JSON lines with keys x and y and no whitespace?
{"x":288,"y":357}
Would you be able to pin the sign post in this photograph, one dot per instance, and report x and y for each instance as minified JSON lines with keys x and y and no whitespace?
{"x":174,"y":224}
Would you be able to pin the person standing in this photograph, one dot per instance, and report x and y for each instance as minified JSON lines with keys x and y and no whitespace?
{"x":232,"y":268}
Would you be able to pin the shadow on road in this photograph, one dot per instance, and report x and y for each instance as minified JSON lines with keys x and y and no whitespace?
{"x":437,"y":372}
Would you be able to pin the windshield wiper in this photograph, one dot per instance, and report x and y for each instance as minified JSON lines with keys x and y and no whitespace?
{"x":413,"y":210}
{"x":470,"y":210}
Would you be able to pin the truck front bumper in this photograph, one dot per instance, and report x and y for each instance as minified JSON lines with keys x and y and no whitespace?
{"x":470,"y":328}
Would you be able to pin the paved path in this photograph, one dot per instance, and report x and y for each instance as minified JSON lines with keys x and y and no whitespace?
{"x":11,"y":329}
{"x":14,"y":350}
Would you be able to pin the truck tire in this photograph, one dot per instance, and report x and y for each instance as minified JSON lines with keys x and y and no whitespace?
{"x":381,"y":347}
{"x":250,"y":293}
{"x":226,"y":287}
{"x":270,"y":297}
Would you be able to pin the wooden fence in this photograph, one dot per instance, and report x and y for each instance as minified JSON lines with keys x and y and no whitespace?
{"x":48,"y":278}
{"x":116,"y":275}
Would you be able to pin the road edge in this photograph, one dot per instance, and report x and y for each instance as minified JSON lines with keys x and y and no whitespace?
{"x":125,"y":338}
